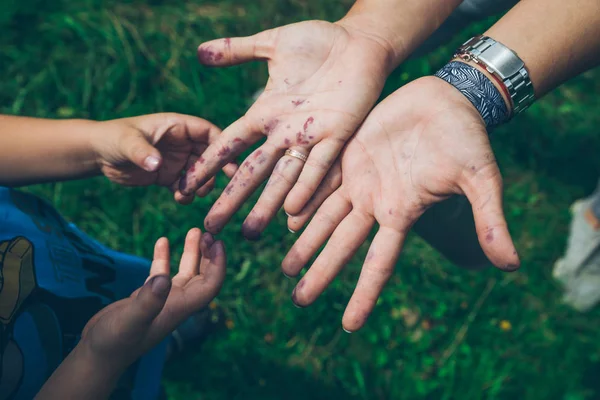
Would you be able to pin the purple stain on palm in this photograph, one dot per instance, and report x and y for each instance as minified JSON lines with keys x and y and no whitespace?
{"x":271,"y":125}
{"x":489,"y":237}
{"x":301,"y":138}
{"x":370,"y":255}
{"x":296,"y":103}
{"x":308,"y":122}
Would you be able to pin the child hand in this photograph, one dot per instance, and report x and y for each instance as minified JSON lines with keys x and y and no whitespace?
{"x":155,"y":149}
{"x":125,"y":330}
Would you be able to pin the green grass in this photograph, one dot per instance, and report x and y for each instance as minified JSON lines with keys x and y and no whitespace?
{"x":436,"y":331}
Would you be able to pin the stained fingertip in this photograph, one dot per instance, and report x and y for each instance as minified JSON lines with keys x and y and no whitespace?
{"x":208,"y":239}
{"x":513,"y":264}
{"x":217,"y":250}
{"x":251,"y":228}
{"x":212,"y":225}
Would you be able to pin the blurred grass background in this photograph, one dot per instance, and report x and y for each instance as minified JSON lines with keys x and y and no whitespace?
{"x":438,"y":332}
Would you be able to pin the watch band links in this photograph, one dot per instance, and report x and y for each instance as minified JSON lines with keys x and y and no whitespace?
{"x":504,"y":64}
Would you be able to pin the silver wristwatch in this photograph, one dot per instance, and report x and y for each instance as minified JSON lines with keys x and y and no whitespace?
{"x":504,"y":64}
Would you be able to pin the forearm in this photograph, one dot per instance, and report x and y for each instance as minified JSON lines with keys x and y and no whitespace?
{"x":556,"y":39}
{"x":399,"y":25}
{"x":36,"y":150}
{"x":81,"y":376}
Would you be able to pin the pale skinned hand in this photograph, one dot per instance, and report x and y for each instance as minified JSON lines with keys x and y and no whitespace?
{"x":154,"y":149}
{"x":323,"y":80}
{"x":419,"y":146}
{"x":125,"y":330}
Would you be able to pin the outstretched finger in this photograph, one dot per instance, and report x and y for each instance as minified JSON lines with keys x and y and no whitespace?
{"x":484,"y":192}
{"x":238,"y":50}
{"x":320,"y":160}
{"x":345,"y":241}
{"x":271,"y":199}
{"x":203,"y":288}
{"x":190,"y":259}
{"x":330,"y":184}
{"x":249,"y":176}
{"x":376,"y":271}
{"x":326,"y":220}
{"x":233,"y":141}
{"x":161,"y":259}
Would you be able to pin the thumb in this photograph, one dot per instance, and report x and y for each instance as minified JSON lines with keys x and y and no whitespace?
{"x":233,"y":51}
{"x":485,"y":196}
{"x":148,"y":303}
{"x":140,"y":152}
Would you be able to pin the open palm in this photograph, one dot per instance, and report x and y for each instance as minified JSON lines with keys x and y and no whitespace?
{"x":421,"y":145}
{"x":323,"y":80}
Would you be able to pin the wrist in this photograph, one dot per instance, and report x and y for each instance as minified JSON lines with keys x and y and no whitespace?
{"x":399,"y":26}
{"x":86,"y":134}
{"x":365,"y":27}
{"x":109,"y":366}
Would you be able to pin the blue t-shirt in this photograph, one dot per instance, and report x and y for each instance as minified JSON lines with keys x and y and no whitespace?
{"x":53,"y":279}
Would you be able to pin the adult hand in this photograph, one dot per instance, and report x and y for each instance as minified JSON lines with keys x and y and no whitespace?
{"x":323,"y":80}
{"x":421,"y":145}
{"x":154,"y":149}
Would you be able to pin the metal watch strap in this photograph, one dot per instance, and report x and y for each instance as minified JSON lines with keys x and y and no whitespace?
{"x":504,"y":63}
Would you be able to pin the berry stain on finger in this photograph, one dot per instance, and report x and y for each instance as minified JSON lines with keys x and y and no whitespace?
{"x":251,"y":228}
{"x":207,"y":55}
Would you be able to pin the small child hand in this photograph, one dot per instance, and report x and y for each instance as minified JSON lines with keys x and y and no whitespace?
{"x":155,"y":149}
{"x":122,"y":332}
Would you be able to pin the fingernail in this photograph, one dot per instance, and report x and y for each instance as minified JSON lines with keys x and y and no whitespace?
{"x":294,"y":300}
{"x":183,"y":182}
{"x":286,"y":213}
{"x":151,"y":163}
{"x":291,"y":230}
{"x":216,"y":250}
{"x":346,"y":330}
{"x":511,"y":267}
{"x":160,"y":284}
{"x":286,"y":275}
